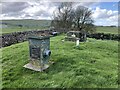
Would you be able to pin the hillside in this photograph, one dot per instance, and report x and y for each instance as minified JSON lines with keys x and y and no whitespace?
{"x":92,"y":65}
{"x":107,"y":29}
{"x":9,"y":26}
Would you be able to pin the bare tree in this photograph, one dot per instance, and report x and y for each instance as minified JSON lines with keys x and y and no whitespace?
{"x":82,"y":17}
{"x":67,"y":17}
{"x":63,"y":16}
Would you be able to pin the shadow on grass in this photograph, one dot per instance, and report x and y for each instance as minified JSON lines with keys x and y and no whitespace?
{"x":61,"y":64}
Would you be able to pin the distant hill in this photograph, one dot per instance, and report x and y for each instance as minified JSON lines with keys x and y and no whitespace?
{"x":9,"y":26}
{"x":28,"y":23}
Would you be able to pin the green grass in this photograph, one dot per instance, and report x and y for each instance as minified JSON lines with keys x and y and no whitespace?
{"x":27,"y":25}
{"x":112,"y":30}
{"x":94,"y":64}
{"x":17,"y":29}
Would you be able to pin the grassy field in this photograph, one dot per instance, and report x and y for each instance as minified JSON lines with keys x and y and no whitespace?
{"x":25,"y":25}
{"x":113,"y":30}
{"x":17,"y":29}
{"x":12,"y":26}
{"x":94,"y":64}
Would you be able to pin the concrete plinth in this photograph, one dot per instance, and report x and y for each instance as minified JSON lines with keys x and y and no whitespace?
{"x":36,"y":66}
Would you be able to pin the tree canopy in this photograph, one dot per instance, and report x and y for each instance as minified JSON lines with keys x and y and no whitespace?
{"x":65,"y":16}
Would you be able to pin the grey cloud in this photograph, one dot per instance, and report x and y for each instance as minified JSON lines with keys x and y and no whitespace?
{"x":14,"y":14}
{"x":86,"y":4}
{"x":13,"y":7}
{"x":27,"y":15}
{"x":44,"y":13}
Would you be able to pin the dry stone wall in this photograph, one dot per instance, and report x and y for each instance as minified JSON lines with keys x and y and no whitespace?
{"x":104,"y":36}
{"x":16,"y":37}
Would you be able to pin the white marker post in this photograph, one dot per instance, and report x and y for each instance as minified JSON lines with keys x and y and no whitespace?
{"x":77,"y":42}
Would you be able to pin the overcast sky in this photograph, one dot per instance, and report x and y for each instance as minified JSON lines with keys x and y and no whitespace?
{"x":104,"y":13}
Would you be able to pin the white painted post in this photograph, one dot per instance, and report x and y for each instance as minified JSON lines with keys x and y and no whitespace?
{"x":77,"y":42}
